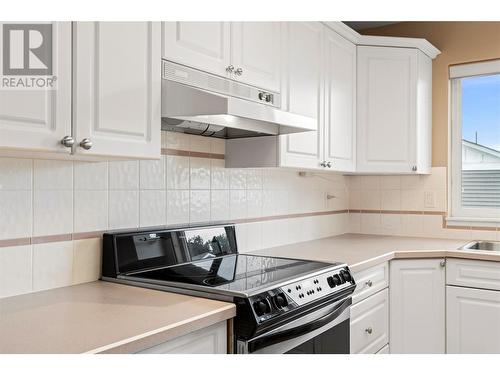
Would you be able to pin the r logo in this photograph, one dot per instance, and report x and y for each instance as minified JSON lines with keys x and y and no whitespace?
{"x":27,"y":49}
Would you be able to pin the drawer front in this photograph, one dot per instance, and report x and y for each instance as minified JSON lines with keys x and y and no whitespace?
{"x":370,"y":281}
{"x":473,"y":273}
{"x":210,"y":340}
{"x":370,"y":324}
{"x":384,"y":350}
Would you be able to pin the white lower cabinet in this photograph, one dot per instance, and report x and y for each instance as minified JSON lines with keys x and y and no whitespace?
{"x":370,"y":324}
{"x":472,"y":321}
{"x":370,"y":281}
{"x":417,"y":306}
{"x":472,"y":306}
{"x":210,"y":340}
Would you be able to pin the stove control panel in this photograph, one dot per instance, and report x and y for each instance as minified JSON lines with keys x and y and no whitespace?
{"x":305,"y":291}
{"x":272,"y":303}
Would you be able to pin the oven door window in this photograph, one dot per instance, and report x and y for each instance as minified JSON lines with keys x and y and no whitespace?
{"x":333,"y":341}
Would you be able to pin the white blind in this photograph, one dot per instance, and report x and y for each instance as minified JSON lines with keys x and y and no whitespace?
{"x":481,"y":188}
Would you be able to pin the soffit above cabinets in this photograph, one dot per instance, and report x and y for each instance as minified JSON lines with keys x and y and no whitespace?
{"x":386,"y":41}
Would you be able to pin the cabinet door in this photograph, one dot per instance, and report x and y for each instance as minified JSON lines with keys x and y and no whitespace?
{"x":255,"y":49}
{"x":340,"y":102}
{"x":37,"y":118}
{"x":201,"y":45}
{"x":417,"y":309}
{"x":387,"y":83}
{"x":117,"y":88}
{"x":472,"y":320}
{"x":302,"y":92}
{"x":210,"y":340}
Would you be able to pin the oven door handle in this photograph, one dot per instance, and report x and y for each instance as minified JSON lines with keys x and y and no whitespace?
{"x":275,"y":338}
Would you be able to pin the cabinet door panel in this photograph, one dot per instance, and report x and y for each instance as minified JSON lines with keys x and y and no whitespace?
{"x":387,"y":83}
{"x":201,"y":45}
{"x":472,"y":321}
{"x":303,"y":92}
{"x":417,"y":309}
{"x":117,"y":93}
{"x":210,"y":340}
{"x":340,"y":106}
{"x":37,"y":119}
{"x":255,"y":48}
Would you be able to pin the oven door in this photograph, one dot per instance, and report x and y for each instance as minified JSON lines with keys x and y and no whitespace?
{"x":323,"y":331}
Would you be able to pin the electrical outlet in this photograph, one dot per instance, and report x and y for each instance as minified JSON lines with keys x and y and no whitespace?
{"x":430,"y":199}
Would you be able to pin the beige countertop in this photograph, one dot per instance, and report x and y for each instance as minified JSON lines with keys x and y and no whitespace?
{"x":361,"y":251}
{"x":102,"y":317}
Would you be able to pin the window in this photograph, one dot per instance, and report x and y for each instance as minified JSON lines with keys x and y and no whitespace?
{"x":475,"y":141}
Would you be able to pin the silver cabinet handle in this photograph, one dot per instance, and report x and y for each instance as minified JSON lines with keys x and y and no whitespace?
{"x":230,"y":69}
{"x":369,"y":330}
{"x":86,"y":144}
{"x":329,"y":164}
{"x":68,"y":141}
{"x":442,"y":263}
{"x":369,"y":283}
{"x":414,"y":168}
{"x":322,"y":164}
{"x":238,"y":72}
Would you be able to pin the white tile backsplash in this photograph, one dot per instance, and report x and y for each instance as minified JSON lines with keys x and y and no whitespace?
{"x":52,"y":265}
{"x":16,"y":213}
{"x":123,"y":209}
{"x":16,"y":174}
{"x":199,"y":206}
{"x":152,"y":174}
{"x":152,"y":208}
{"x":91,"y":210}
{"x":177,"y":206}
{"x":219,"y":205}
{"x":124,"y":175}
{"x":53,"y":175}
{"x":91,"y":176}
{"x":52,"y":212}
{"x":199,"y":173}
{"x":15,"y":270}
{"x":87,"y":256}
{"x":177,"y":172}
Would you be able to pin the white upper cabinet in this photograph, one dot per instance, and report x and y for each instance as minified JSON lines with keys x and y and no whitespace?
{"x":340,"y":102}
{"x":201,"y":45}
{"x":255,"y":53}
{"x":248,"y":52}
{"x":303,"y":92}
{"x":36,"y":119}
{"x":394,"y":110}
{"x":117,"y":88}
{"x":417,"y":308}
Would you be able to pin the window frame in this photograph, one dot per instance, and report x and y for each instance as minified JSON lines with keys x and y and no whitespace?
{"x":458,"y":213}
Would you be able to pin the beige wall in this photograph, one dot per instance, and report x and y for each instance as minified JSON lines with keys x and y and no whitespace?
{"x":459,"y":42}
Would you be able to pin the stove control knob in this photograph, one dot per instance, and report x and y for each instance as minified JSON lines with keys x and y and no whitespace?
{"x":346,"y":275}
{"x":280,"y":300}
{"x":330,"y":282}
{"x":261,"y":307}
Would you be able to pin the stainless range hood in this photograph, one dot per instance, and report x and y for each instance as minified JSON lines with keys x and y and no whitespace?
{"x":222,"y":108}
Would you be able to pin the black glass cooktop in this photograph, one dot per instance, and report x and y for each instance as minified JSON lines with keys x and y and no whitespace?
{"x":238,"y":272}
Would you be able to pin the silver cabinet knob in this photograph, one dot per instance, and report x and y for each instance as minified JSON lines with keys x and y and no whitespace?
{"x":329,"y":164}
{"x":230,"y":69}
{"x":238,"y":72}
{"x":369,"y":283}
{"x":86,"y":144}
{"x":322,"y":164}
{"x":442,"y":263}
{"x":68,"y":141}
{"x":369,"y":330}
{"x":414,"y":168}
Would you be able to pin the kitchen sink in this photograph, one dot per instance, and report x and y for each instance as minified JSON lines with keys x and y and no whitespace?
{"x":482,"y":246}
